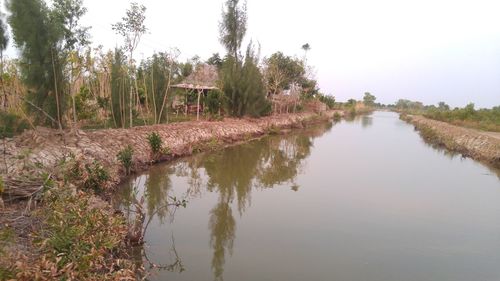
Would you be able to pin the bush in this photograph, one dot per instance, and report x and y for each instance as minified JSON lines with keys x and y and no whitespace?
{"x":214,"y":102}
{"x":11,"y":125}
{"x":125,"y":157}
{"x":337,"y":116}
{"x":96,"y":177}
{"x":155,"y":143}
{"x":77,"y":242}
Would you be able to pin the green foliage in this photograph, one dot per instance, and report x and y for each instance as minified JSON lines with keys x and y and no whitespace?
{"x":327,"y":99}
{"x":337,"y":116}
{"x":120,"y":89}
{"x":244,"y":88}
{"x":214,"y":102}
{"x":484,"y":119}
{"x":155,"y":143}
{"x":404,"y":104}
{"x":68,"y":13}
{"x":96,"y":177}
{"x":125,"y":157}
{"x":11,"y":124}
{"x":215,"y":60}
{"x":233,"y":27}
{"x":309,"y":88}
{"x":369,"y":99}
{"x":283,"y":71}
{"x":132,"y":26}
{"x":84,"y":104}
{"x":77,"y":238}
{"x":157,"y":71}
{"x":443,"y":106}
{"x":38,"y":37}
{"x":7,"y":237}
{"x":4,"y":36}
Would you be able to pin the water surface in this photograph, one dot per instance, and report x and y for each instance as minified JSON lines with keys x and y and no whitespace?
{"x":359,"y":200}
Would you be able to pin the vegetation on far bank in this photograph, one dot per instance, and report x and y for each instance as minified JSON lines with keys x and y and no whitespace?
{"x":468,"y":116}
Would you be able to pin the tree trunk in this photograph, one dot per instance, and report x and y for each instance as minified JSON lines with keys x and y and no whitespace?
{"x":56,"y":92}
{"x":198,"y":106}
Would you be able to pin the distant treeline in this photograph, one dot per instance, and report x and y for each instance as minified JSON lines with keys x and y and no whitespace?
{"x":468,"y":116}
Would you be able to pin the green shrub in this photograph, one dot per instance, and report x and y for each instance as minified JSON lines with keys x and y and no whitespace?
{"x":96,"y":177}
{"x":77,"y":239}
{"x":125,"y":157}
{"x":155,"y":143}
{"x":214,"y":102}
{"x":11,"y":125}
{"x":337,"y":116}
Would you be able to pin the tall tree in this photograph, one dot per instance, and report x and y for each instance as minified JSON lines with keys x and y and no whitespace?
{"x":282,"y":71}
{"x":242,"y":82}
{"x":4,"y":41}
{"x":215,"y":60}
{"x":38,"y":36}
{"x":119,"y":89}
{"x":68,"y":14}
{"x":233,"y":27}
{"x":369,"y":99}
{"x":132,"y":28}
{"x":306,"y":47}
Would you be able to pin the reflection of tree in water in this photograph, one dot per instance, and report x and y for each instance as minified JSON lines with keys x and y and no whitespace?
{"x":234,"y":171}
{"x":222,"y":233}
{"x":156,"y":189}
{"x":282,"y":161}
{"x":366,"y":121}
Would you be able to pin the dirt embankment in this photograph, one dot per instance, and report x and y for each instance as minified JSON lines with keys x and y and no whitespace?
{"x":479,"y":145}
{"x":46,"y":147}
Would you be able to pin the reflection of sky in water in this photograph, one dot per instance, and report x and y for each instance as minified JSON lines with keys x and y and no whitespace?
{"x":364,"y":200}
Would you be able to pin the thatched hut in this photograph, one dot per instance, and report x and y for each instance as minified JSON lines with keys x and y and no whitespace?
{"x":203,"y":79}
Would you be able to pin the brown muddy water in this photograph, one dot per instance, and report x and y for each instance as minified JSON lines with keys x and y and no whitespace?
{"x":358,"y":200}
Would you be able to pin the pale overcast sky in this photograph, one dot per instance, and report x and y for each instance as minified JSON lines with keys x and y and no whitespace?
{"x":427,"y":50}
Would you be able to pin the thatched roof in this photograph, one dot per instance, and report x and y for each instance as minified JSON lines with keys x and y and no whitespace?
{"x":204,"y":77}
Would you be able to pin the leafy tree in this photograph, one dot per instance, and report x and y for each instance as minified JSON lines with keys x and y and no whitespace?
{"x":132,"y":28}
{"x":309,"y":87}
{"x":68,"y":14}
{"x":282,"y":71}
{"x":243,"y":87}
{"x":306,"y":47}
{"x":158,"y":72}
{"x":37,"y":34}
{"x":351,"y":102}
{"x":328,"y":100}
{"x":254,"y":103}
{"x":242,"y":81}
{"x":443,"y":106}
{"x":215,"y":101}
{"x":4,"y":39}
{"x":119,"y":90}
{"x":369,"y":99}
{"x":233,"y":27}
{"x":215,"y":60}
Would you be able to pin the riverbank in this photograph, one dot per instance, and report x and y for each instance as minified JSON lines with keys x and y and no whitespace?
{"x":479,"y":145}
{"x":46,"y":147}
{"x":62,"y":171}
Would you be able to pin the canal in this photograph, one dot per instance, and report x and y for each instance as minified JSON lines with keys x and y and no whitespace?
{"x":358,"y":200}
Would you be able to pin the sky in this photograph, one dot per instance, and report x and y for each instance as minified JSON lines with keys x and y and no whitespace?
{"x":426,"y":50}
